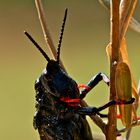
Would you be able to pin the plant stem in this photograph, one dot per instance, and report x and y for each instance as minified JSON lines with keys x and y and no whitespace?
{"x":46,"y":32}
{"x":114,"y":37}
{"x":127,"y":8}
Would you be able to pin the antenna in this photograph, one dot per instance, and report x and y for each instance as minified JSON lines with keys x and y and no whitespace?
{"x":37,"y":46}
{"x":61,"y":35}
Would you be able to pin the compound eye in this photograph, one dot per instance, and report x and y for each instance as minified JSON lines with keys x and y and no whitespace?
{"x":47,"y":77}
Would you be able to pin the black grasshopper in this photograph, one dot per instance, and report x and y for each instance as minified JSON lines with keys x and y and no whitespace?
{"x":59,"y":114}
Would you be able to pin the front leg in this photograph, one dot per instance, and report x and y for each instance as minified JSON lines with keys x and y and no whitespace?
{"x":93,"y":82}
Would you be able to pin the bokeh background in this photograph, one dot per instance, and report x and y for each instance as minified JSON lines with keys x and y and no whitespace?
{"x":83,"y":53}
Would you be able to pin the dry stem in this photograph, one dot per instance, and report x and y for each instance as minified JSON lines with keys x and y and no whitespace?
{"x":114,"y":37}
{"x":126,"y":11}
{"x":46,"y":32}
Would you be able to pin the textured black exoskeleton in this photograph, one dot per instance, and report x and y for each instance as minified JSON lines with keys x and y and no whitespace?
{"x":59,"y":114}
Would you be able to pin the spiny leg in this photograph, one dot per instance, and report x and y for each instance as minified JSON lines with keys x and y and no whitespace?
{"x":93,"y":82}
{"x":95,"y":110}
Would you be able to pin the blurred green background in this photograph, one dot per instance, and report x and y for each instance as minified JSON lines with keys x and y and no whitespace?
{"x":83,"y":53}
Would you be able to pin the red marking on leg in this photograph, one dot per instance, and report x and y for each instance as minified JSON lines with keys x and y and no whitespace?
{"x":70,"y":101}
{"x":83,"y":86}
{"x":121,"y":102}
{"x":118,"y":116}
{"x":138,"y":118}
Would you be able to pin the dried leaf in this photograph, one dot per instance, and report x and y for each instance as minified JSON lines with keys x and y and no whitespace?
{"x":124,"y":58}
{"x":108,"y":51}
{"x":123,"y":87}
